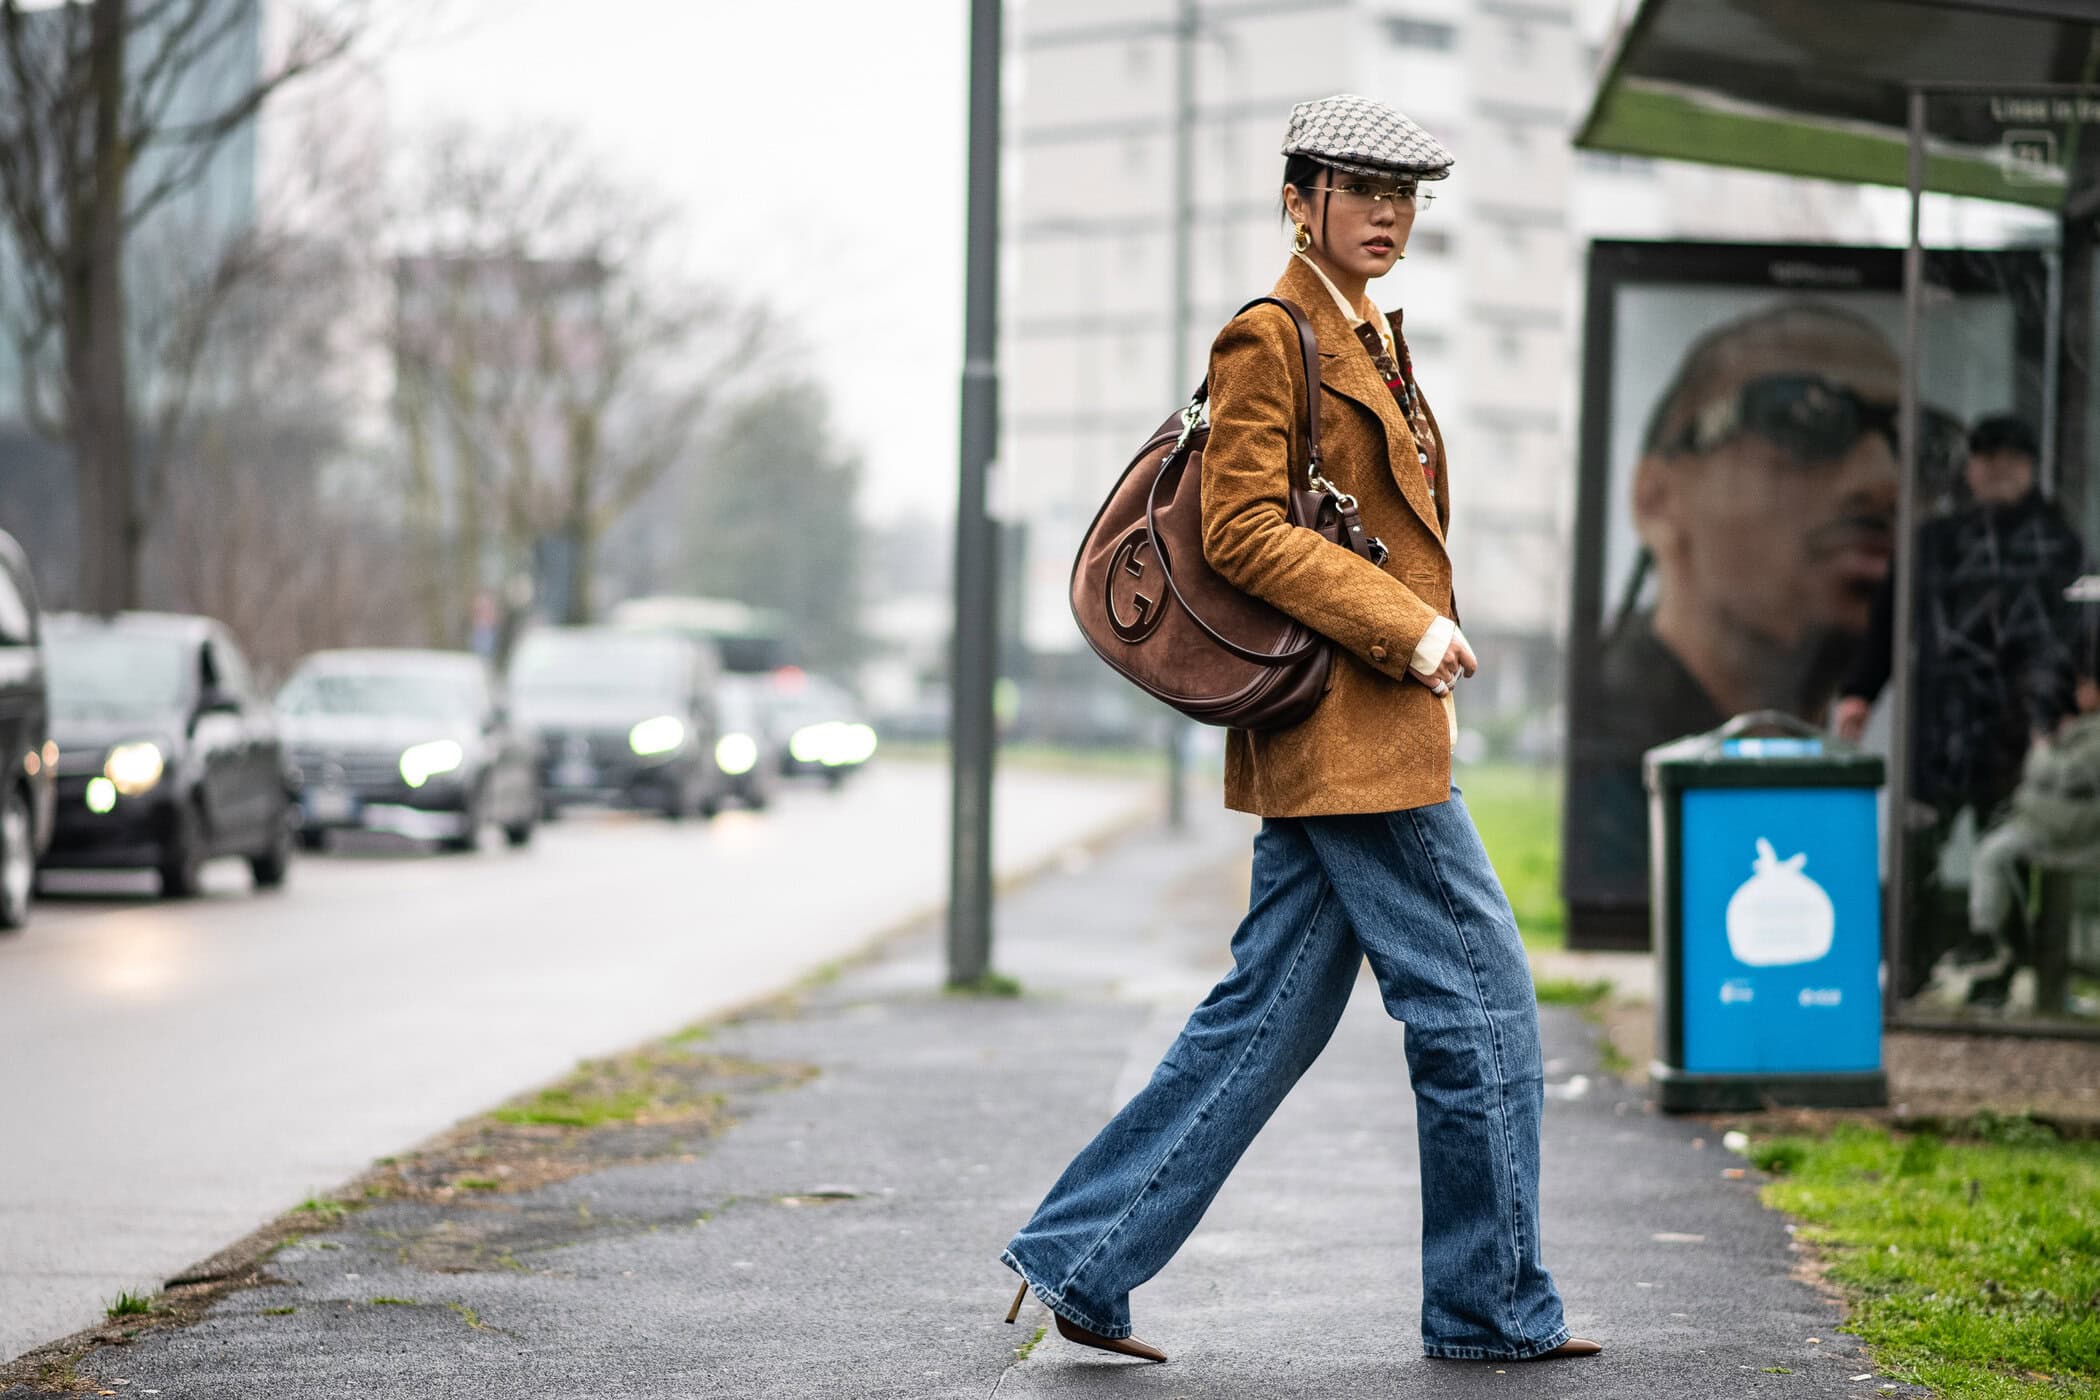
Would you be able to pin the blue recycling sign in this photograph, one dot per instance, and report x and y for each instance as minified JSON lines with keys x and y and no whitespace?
{"x":1781,"y":923}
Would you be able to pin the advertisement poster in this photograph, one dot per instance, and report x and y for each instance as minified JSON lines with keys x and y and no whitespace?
{"x":1737,"y":496}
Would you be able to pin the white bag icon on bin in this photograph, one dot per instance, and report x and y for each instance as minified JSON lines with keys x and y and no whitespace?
{"x":1779,"y":915}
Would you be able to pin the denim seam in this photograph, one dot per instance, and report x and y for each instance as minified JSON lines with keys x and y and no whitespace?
{"x":1283,"y":990}
{"x":1509,"y":1145}
{"x":1537,"y":1349}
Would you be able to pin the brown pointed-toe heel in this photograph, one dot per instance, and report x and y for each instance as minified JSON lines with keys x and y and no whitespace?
{"x":1120,"y":1346}
{"x":1573,"y":1346}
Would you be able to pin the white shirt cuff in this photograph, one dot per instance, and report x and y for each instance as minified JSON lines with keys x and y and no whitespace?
{"x":1429,"y":652}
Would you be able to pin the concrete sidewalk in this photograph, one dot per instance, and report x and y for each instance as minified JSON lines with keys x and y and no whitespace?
{"x":842,"y":1238}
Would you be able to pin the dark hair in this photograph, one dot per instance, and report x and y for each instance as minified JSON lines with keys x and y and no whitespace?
{"x":1304,"y":172}
{"x":2005,"y":432}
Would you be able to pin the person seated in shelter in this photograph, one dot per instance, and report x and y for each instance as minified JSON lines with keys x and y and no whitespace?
{"x":1765,"y":501}
{"x":1996,"y":670}
{"x":2054,"y":820}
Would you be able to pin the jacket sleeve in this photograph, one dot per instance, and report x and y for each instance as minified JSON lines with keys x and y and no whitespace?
{"x":1873,"y":661}
{"x":1248,"y":537}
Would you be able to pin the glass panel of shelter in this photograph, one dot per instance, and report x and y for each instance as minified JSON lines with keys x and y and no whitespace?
{"x":1994,"y":841}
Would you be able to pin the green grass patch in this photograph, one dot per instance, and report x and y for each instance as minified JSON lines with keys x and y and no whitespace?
{"x":1517,"y":809}
{"x":1023,"y":1351}
{"x":1973,"y":1267}
{"x":1566,"y":991}
{"x":991,"y":984}
{"x":631,"y":1088}
{"x":129,"y":1304}
{"x":386,"y":1302}
{"x":478,"y":1183}
{"x":323,"y":1209}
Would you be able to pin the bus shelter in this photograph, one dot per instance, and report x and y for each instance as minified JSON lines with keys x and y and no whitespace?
{"x":1965,"y":640}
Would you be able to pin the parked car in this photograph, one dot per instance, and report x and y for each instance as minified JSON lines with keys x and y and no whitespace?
{"x":28,"y":758}
{"x":751,"y":748}
{"x":624,"y":718}
{"x":416,"y":743}
{"x":167,"y":755}
{"x":826,"y":732}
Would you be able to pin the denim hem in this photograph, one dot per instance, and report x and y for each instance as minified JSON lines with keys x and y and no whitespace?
{"x":1058,"y":1305}
{"x":1529,"y":1352}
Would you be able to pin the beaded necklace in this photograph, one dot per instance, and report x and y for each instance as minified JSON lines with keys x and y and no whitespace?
{"x":1400,"y":378}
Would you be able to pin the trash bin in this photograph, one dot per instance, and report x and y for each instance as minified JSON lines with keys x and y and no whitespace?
{"x":1767,"y":918}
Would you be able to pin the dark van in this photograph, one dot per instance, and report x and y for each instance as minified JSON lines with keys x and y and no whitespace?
{"x":28,"y":759}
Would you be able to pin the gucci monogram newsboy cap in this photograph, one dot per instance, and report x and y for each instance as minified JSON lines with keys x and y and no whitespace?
{"x":1361,"y":137}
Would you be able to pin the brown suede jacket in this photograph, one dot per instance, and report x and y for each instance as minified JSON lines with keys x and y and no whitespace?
{"x":1380,"y":741}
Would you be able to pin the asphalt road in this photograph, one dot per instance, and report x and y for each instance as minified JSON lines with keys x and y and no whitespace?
{"x":174,"y":1074}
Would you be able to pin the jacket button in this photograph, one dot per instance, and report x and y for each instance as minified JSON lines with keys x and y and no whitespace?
{"x":1378,"y":653}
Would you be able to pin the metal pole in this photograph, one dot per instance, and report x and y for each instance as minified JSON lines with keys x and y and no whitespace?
{"x":976,"y":573}
{"x":1178,"y":337}
{"x":1896,"y":940}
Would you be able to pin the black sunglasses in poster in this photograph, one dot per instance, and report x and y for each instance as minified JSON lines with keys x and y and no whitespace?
{"x":1817,"y":421}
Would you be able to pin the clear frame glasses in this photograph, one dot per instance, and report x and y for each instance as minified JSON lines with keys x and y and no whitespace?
{"x":1363,"y":195}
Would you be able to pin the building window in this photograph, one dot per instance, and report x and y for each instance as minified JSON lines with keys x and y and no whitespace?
{"x":1614,"y":163}
{"x":1420,"y":33}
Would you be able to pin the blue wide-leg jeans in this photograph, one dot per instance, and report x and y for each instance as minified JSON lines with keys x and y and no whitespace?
{"x":1412,"y":891}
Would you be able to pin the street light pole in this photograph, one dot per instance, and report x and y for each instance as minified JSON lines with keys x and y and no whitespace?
{"x":974,"y":659}
{"x":1178,"y":338}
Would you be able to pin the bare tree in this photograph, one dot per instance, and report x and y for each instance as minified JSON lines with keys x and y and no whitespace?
{"x":550,"y":371}
{"x":109,"y":110}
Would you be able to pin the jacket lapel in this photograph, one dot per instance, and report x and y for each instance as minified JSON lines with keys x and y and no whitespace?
{"x":1346,"y":369}
{"x":1443,"y":448}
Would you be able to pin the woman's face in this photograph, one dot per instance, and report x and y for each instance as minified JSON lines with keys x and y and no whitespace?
{"x":1357,"y":229}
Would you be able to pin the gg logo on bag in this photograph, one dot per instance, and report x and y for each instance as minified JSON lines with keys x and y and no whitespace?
{"x":1126,"y":573}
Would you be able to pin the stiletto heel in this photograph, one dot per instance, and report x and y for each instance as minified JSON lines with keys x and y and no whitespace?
{"x":1019,"y":1298}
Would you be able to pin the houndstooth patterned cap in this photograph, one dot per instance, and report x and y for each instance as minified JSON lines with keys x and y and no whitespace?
{"x":1362,"y":137}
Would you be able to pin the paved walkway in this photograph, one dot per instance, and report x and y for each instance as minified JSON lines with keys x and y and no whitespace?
{"x":841,"y":1240}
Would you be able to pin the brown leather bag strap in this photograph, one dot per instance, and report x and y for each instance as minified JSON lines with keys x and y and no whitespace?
{"x":1309,"y":351}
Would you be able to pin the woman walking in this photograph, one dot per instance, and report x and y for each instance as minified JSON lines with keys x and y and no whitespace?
{"x":1365,"y":849}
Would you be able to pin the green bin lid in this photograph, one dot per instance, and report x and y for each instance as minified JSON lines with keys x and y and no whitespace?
{"x":1765,"y":748}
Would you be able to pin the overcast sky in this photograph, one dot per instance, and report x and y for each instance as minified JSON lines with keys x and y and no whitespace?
{"x":815,"y":150}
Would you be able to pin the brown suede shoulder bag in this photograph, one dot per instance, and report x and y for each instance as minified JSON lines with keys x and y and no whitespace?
{"x":1149,"y":604}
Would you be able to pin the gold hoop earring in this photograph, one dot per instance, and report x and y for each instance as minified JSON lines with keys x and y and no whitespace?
{"x":1303,"y":240}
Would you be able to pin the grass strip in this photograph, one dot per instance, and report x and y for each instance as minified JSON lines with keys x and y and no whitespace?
{"x":1517,"y":810}
{"x":1972,"y":1267}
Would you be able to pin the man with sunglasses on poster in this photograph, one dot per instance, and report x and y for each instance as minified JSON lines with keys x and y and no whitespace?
{"x":1764,"y":500}
{"x":1997,"y":672}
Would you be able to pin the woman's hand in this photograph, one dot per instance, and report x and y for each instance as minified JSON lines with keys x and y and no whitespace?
{"x":1458,"y":661}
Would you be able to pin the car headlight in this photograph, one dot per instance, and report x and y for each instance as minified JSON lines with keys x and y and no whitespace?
{"x":833,"y":743}
{"x":858,"y":744}
{"x":736,"y":754}
{"x":654,"y":736}
{"x":101,"y":795}
{"x":134,"y":768}
{"x":812,"y":742}
{"x":422,"y":762}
